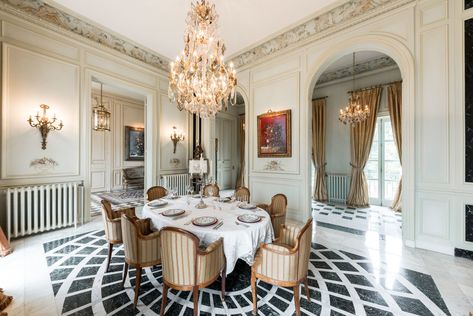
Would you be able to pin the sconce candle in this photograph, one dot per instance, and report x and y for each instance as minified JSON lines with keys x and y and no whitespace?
{"x":44,"y":124}
{"x":176,"y":137}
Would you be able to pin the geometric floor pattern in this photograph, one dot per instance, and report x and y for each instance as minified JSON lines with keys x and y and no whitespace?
{"x":340,"y":283}
{"x":118,"y":200}
{"x":382,"y":220}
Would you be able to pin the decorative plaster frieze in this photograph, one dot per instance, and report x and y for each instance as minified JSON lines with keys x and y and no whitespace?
{"x":370,"y":65}
{"x":44,"y":12}
{"x":345,"y":15}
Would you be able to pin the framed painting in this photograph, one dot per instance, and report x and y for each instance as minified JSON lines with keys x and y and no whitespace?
{"x":274,"y":134}
{"x":134,"y":143}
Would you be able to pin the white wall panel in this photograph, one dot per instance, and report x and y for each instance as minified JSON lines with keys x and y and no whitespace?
{"x":30,"y":79}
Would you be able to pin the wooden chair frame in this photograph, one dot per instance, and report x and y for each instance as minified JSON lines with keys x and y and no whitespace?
{"x":245,"y":190}
{"x":195,"y":287}
{"x":156,"y":192}
{"x":294,"y":284}
{"x":209,"y":186}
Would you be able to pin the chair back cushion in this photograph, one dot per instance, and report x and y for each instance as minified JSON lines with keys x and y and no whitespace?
{"x":155,"y":193}
{"x":278,"y":204}
{"x":113,"y":230}
{"x":242,"y":194}
{"x":211,"y":190}
{"x":179,"y":256}
{"x":305,"y":241}
{"x":130,"y":239}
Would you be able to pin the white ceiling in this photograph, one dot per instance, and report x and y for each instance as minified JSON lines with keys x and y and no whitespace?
{"x":159,"y":24}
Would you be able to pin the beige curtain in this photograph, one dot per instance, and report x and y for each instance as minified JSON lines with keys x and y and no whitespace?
{"x":361,"y":138}
{"x":241,"y":173}
{"x":395,"y":108}
{"x":318,"y":148}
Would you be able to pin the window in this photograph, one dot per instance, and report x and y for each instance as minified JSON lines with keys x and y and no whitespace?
{"x":383,"y":169}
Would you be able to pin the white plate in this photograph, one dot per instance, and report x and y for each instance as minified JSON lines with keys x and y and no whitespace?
{"x":249,"y":218}
{"x":157,"y":203}
{"x":204,"y":221}
{"x":173,"y":212}
{"x":224,"y":199}
{"x":171,"y":197}
{"x":246,"y":206}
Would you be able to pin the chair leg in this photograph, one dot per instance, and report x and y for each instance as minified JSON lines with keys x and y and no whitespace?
{"x":164,"y":299}
{"x":110,"y":249}
{"x":297,"y":300}
{"x":125,"y":273}
{"x":195,"y":296}
{"x":253,"y":292}
{"x":137,"y":284}
{"x":224,"y":277}
{"x":306,"y":286}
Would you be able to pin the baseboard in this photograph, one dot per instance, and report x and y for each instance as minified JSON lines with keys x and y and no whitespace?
{"x":410,"y":243}
{"x":437,"y":247}
{"x":463,"y":253}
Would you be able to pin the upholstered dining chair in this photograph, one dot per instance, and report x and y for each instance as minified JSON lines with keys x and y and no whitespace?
{"x":284,"y":262}
{"x":242,"y":194}
{"x":142,"y":247}
{"x":113,"y":228}
{"x":211,"y":190}
{"x":186,"y":267}
{"x":277,"y":211}
{"x":155,"y":193}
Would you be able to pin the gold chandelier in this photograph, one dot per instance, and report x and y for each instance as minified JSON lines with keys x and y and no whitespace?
{"x":199,"y":81}
{"x":354,"y":112}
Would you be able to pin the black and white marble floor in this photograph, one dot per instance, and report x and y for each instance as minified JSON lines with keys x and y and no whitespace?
{"x":118,"y":199}
{"x":341,"y":283}
{"x":354,"y":220}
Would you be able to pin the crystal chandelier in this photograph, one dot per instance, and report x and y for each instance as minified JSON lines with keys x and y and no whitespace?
{"x":354,"y":112}
{"x":199,"y":81}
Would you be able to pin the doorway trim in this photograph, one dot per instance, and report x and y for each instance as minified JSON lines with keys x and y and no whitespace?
{"x":151,"y":130}
{"x":405,"y":61}
{"x":246,"y":99}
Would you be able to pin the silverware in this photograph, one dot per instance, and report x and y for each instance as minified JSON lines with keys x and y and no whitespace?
{"x":238,"y":223}
{"x":218,"y":225}
{"x":179,"y":217}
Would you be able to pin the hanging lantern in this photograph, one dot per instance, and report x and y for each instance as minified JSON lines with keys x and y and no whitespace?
{"x":100,"y":115}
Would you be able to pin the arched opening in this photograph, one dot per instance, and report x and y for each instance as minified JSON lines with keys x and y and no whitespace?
{"x":403,"y":60}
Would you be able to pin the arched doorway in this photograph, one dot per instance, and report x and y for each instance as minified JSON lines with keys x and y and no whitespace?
{"x":403,"y":58}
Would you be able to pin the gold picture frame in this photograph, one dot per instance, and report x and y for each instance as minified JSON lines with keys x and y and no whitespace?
{"x":275,"y":134}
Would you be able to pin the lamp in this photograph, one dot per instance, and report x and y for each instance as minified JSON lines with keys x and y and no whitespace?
{"x":100,"y":115}
{"x":45,"y":124}
{"x":199,"y":166}
{"x":176,"y":137}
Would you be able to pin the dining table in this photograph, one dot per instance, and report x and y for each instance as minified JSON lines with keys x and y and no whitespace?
{"x":241,"y":239}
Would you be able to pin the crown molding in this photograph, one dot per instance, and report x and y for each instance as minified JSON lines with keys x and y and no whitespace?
{"x":367,"y":66}
{"x":42,"y":13}
{"x":341,"y":17}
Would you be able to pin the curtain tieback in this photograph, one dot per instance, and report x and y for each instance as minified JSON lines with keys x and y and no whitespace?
{"x":355,"y":167}
{"x":321,"y":166}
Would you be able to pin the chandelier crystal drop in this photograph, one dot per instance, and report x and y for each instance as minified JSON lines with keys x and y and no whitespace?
{"x":199,"y":80}
{"x":354,"y":112}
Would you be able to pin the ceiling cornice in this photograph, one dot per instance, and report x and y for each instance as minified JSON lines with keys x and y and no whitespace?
{"x":345,"y":15}
{"x":39,"y":11}
{"x":367,"y":66}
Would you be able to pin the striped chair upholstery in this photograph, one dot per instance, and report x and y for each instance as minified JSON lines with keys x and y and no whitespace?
{"x":277,"y":211}
{"x":142,"y":247}
{"x":112,"y":224}
{"x":211,"y":190}
{"x":155,"y":193}
{"x":285,"y":262}
{"x":187,"y":267}
{"x":242,"y":194}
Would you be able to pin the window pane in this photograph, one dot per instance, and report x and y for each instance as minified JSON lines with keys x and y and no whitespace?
{"x":374,"y":151}
{"x":392,"y":170}
{"x":373,"y":189}
{"x":371,"y":170}
{"x":390,"y":188}
{"x":390,"y":151}
{"x":388,"y":130}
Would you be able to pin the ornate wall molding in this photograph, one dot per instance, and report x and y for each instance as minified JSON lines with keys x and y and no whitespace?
{"x":370,"y":65}
{"x":39,"y":11}
{"x":339,"y":18}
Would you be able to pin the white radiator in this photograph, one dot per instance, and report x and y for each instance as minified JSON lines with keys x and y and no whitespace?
{"x":176,"y":181}
{"x":338,"y":186}
{"x":38,"y":208}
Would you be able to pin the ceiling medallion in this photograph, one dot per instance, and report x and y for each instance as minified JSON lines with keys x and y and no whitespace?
{"x":354,"y":112}
{"x":199,"y":81}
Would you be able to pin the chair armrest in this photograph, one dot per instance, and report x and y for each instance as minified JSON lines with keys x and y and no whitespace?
{"x":127,"y":211}
{"x":210,"y":261}
{"x":153,"y":235}
{"x":278,"y":215}
{"x":149,"y":248}
{"x":263,"y":206}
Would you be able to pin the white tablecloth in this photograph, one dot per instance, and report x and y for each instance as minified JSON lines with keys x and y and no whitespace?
{"x":240,"y":242}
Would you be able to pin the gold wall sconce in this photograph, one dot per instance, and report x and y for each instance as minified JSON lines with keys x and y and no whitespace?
{"x":45,"y":124}
{"x":176,"y":137}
